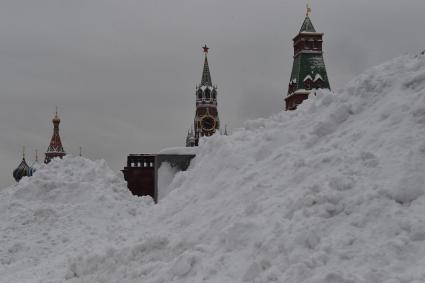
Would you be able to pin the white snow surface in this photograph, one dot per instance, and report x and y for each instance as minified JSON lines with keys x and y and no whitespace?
{"x":166,"y":174}
{"x":179,"y":150}
{"x":330,"y":193}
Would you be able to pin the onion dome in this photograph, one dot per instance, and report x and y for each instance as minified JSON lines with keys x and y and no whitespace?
{"x":22,"y":170}
{"x":36,"y":165}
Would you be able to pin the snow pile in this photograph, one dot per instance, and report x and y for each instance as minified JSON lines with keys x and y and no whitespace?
{"x":70,"y":206}
{"x":166,"y":174}
{"x":331,"y":193}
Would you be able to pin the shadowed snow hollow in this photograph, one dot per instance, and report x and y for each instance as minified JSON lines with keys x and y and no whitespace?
{"x":332,"y":192}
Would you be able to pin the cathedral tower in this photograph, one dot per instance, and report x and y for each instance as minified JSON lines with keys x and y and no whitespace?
{"x":55,"y":148}
{"x":206,"y":117}
{"x":308,"y":70}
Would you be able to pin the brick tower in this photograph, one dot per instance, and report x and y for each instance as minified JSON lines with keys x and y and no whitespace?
{"x":55,"y":148}
{"x":308,"y":70}
{"x":206,"y":121}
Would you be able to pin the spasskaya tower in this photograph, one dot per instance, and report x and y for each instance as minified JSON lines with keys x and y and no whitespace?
{"x":206,"y":121}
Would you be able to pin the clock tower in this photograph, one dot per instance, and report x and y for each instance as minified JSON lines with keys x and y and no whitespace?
{"x":206,"y":121}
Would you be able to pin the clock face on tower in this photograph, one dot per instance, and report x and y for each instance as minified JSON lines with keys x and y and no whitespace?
{"x":208,"y":123}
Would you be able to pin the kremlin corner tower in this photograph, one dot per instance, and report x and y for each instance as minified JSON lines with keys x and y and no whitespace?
{"x":308,"y":70}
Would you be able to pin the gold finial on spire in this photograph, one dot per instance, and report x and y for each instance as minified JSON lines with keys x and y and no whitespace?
{"x":23,"y":152}
{"x":36,"y":155}
{"x":307,"y":14}
{"x":81,"y":151}
{"x":56,"y":119}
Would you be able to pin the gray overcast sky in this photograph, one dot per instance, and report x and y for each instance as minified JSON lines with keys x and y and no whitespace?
{"x":123,"y":73}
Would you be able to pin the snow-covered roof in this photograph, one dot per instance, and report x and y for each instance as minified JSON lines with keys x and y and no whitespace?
{"x":308,"y":77}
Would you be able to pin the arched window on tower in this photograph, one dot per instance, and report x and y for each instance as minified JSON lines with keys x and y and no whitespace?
{"x":307,"y":84}
{"x":207,"y":94}
{"x":214,"y":94}
{"x":318,"y":83}
{"x":291,"y":87}
{"x":308,"y":81}
{"x":199,"y":94}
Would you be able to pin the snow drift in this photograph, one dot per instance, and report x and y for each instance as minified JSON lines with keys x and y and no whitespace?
{"x":332,"y":192}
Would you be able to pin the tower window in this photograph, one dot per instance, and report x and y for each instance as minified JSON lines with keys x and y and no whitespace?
{"x":207,"y":93}
{"x":199,"y":94}
{"x":214,"y":94}
{"x":318,"y":83}
{"x":309,"y":44}
{"x":307,"y":84}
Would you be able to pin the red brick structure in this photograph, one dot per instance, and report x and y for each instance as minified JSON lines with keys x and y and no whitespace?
{"x":308,"y":70}
{"x":206,"y":121}
{"x":141,"y":172}
{"x":55,"y":148}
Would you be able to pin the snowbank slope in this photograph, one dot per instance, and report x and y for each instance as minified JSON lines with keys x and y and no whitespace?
{"x":333,"y":192}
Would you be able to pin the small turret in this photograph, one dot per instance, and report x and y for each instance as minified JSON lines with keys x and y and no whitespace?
{"x":190,"y":138}
{"x":225,"y":130}
{"x":36,"y":165}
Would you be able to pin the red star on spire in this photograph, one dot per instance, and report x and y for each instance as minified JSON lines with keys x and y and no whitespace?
{"x":205,"y":47}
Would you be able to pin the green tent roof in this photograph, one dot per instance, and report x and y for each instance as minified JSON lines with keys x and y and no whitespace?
{"x":312,"y":65}
{"x":307,"y":25}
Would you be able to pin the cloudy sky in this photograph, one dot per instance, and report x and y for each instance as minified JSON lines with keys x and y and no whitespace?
{"x":123,"y":73}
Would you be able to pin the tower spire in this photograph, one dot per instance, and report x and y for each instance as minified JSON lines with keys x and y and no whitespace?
{"x":55,"y":148}
{"x":206,"y":76}
{"x":308,"y":12}
{"x":307,"y":25}
{"x":35,"y":166}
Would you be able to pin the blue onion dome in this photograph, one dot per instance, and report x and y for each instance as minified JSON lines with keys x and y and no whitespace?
{"x":22,"y":170}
